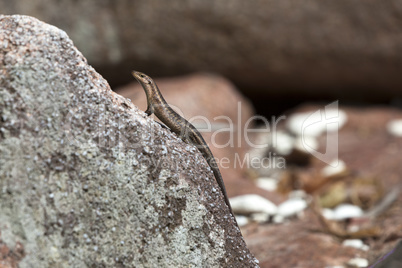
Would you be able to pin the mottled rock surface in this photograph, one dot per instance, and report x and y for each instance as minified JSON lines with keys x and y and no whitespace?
{"x":86,"y":179}
{"x":339,"y":48}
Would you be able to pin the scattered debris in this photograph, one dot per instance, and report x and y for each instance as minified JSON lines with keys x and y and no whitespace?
{"x":355,"y":243}
{"x":335,"y":168}
{"x":394,"y":127}
{"x":252,"y":203}
{"x":358,"y":262}
{"x":292,"y":207}
{"x":315,"y":123}
{"x":268,"y":184}
{"x":384,"y":204}
{"x":283,"y":143}
{"x":345,"y":211}
{"x":242,"y":220}
{"x":338,"y":227}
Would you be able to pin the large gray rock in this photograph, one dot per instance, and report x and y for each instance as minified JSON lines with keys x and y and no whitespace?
{"x":307,"y":48}
{"x":86,"y":179}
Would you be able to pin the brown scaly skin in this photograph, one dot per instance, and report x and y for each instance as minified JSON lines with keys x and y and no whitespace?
{"x":184,"y":129}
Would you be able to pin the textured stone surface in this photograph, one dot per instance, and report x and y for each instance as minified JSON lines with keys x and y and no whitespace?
{"x":308,"y":48}
{"x":86,"y":179}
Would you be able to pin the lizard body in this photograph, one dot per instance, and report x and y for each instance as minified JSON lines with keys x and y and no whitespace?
{"x":184,"y":129}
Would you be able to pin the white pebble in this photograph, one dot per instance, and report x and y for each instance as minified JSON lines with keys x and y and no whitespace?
{"x":297,"y":194}
{"x":329,"y":214}
{"x":355,"y":243}
{"x":268,"y":184}
{"x":291,"y":207}
{"x":260,"y":217}
{"x":278,"y":219}
{"x":283,"y":143}
{"x":297,"y":124}
{"x":242,"y":220}
{"x":306,"y":143}
{"x":394,"y":127}
{"x":346,"y":211}
{"x":316,"y":122}
{"x":358,"y":262}
{"x":334,"y":168}
{"x":252,"y":203}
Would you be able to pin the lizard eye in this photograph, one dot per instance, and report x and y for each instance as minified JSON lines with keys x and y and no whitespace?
{"x":142,"y":76}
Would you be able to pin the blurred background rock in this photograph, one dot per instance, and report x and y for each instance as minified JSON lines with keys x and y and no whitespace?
{"x":278,"y":53}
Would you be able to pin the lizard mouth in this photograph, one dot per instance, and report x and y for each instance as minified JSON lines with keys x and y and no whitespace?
{"x":136,"y":74}
{"x":141,"y":77}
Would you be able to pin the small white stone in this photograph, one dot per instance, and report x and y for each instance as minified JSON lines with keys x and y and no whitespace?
{"x":340,"y":117}
{"x":394,"y":127}
{"x":346,"y":211}
{"x":278,"y":219}
{"x":358,"y":262}
{"x":242,"y":220}
{"x":260,"y":217}
{"x":306,"y":143}
{"x":297,"y":194}
{"x":252,"y":203}
{"x":268,"y":184}
{"x":291,"y":207}
{"x":329,"y":214}
{"x":316,"y":122}
{"x":283,"y":143}
{"x":299,"y":125}
{"x":355,"y":243}
{"x":334,"y":168}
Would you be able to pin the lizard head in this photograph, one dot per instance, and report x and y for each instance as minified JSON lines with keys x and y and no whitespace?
{"x":142,"y":78}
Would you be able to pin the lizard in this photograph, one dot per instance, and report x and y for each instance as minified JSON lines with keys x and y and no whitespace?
{"x":185,"y":130}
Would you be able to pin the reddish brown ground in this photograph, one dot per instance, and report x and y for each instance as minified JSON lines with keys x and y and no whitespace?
{"x":369,"y":151}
